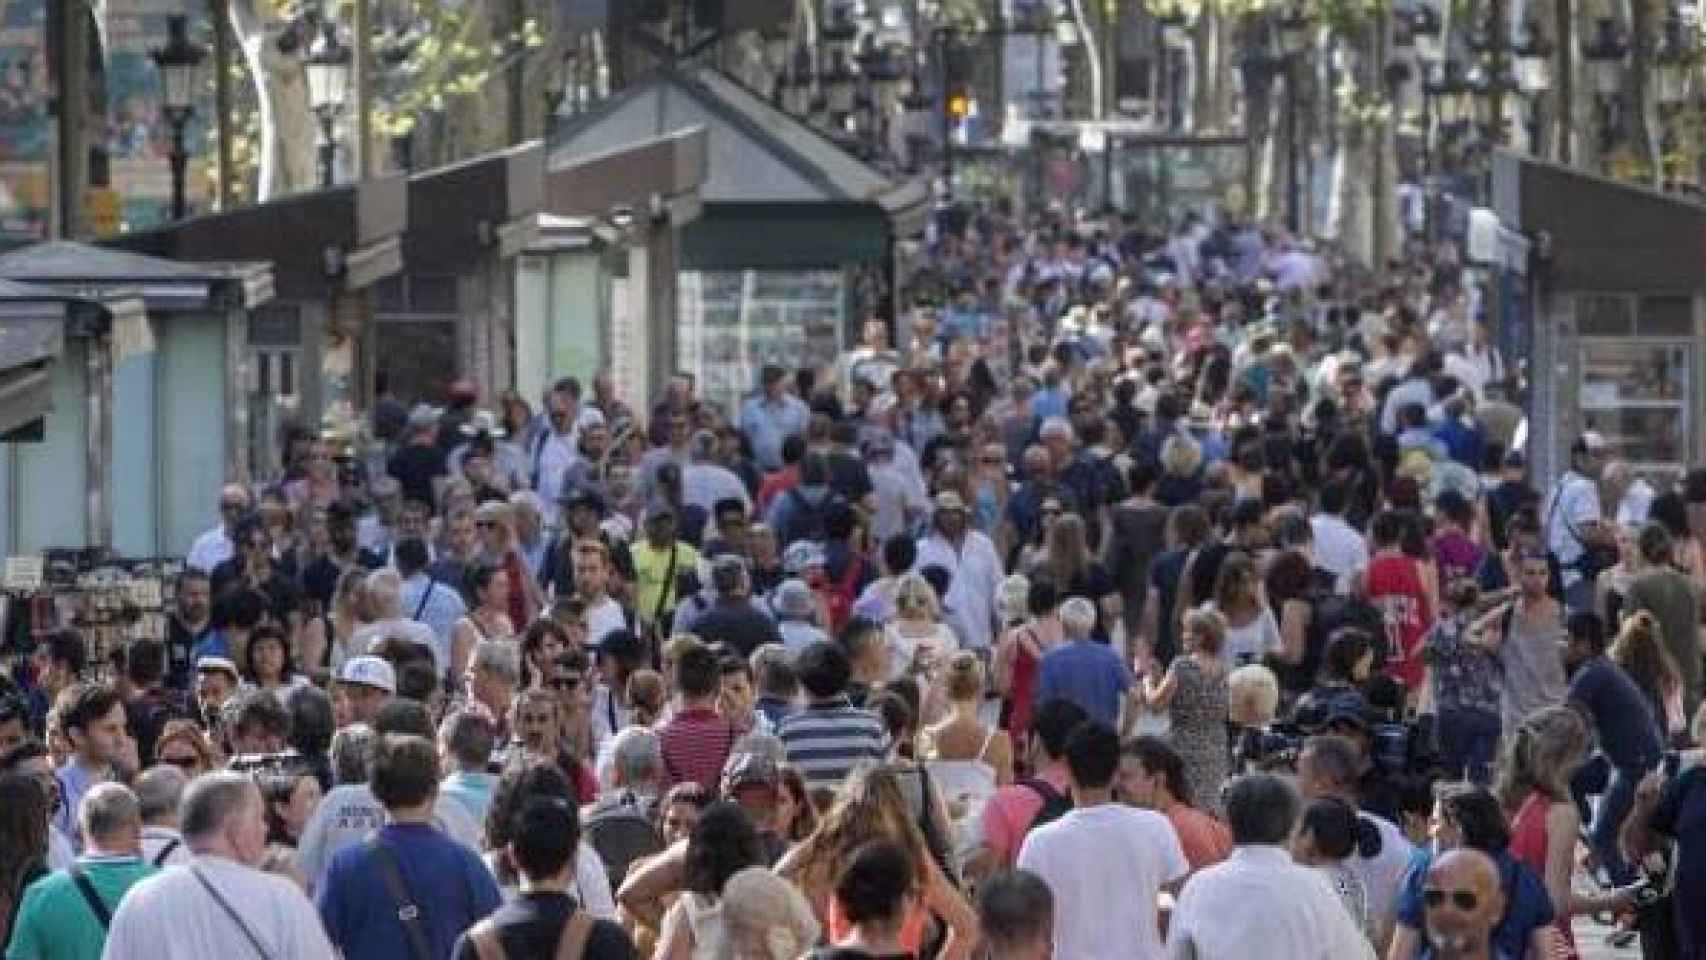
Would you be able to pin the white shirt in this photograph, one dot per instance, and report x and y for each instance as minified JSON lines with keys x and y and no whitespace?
{"x":1106,"y":866}
{"x":1339,"y":548}
{"x":156,"y":839}
{"x":171,"y":916}
{"x":1573,"y":505}
{"x":411,"y":630}
{"x":1258,"y":904}
{"x":548,"y":460}
{"x":703,"y":484}
{"x":976,"y":573}
{"x":1382,"y":875}
{"x":603,"y":617}
{"x":350,"y":812}
{"x":210,"y":550}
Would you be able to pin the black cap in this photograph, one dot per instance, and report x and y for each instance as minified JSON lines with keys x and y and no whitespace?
{"x":620,"y":643}
{"x":582,"y":497}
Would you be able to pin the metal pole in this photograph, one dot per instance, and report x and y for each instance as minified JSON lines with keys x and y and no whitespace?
{"x":361,"y":154}
{"x":180,"y":167}
{"x":328,"y":149}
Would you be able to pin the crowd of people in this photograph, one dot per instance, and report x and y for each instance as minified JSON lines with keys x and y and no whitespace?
{"x":1124,"y":596}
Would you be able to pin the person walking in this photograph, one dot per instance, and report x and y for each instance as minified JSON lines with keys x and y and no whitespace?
{"x":65,"y":915}
{"x":219,"y":904}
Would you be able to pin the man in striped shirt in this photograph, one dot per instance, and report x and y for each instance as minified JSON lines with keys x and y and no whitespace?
{"x":827,"y":739}
{"x":697,"y":740}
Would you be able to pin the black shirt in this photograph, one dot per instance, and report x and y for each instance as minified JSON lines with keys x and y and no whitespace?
{"x":531,"y":925}
{"x":180,"y":651}
{"x":740,"y":625}
{"x":320,"y":580}
{"x":1628,"y":733}
{"x":415,"y":466}
{"x":282,"y":595}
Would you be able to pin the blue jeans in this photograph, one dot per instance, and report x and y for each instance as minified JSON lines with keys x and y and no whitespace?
{"x":1608,"y":816}
{"x":1468,"y":742}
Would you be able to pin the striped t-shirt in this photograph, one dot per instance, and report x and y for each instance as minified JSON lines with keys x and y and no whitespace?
{"x":831,"y":737}
{"x":695,"y":744}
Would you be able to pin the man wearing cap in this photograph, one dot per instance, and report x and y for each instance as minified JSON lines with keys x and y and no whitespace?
{"x":216,"y":680}
{"x":419,"y":465}
{"x":1571,"y":515}
{"x":659,"y":558}
{"x":970,"y":557}
{"x":734,"y":618}
{"x":771,"y":416}
{"x":364,"y":684}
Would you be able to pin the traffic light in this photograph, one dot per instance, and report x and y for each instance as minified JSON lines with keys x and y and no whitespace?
{"x":958,"y":103}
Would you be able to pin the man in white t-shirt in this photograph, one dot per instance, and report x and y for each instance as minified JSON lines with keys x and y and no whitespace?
{"x":1105,"y":862}
{"x":218,"y":904}
{"x":1328,"y":767}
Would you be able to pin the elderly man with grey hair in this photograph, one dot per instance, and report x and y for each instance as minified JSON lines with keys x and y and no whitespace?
{"x":66,"y":913}
{"x":619,"y":826}
{"x":352,"y":745}
{"x":385,"y":599}
{"x":376,"y":531}
{"x":704,"y":480}
{"x":1086,"y":672}
{"x":159,"y":790}
{"x":531,"y":540}
{"x":219,"y":904}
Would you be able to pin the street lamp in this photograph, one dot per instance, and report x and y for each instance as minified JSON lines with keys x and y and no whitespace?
{"x":1672,"y":61}
{"x":797,"y":85}
{"x":179,"y":63}
{"x":1533,"y":55}
{"x":1605,"y":55}
{"x":1425,"y":33}
{"x":1293,"y":35}
{"x":328,"y":68}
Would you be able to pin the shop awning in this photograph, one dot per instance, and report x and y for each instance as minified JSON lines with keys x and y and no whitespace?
{"x":487,"y":204}
{"x":316,"y":244}
{"x":757,"y":154}
{"x":80,"y":269}
{"x":32,"y":337}
{"x":653,"y":177}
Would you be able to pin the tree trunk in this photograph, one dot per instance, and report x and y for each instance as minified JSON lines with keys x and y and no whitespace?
{"x":288,"y":132}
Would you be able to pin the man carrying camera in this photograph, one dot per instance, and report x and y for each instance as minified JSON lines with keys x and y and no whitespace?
{"x":1670,"y":805}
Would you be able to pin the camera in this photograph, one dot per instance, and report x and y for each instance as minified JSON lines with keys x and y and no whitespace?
{"x":1273,"y":747}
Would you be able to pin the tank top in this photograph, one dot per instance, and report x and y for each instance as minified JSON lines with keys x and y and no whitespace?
{"x":1395,"y":587}
{"x":1528,"y":847}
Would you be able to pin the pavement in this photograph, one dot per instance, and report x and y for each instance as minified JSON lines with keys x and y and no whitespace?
{"x":1590,"y":943}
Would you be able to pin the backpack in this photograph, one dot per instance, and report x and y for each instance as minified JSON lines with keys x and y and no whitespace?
{"x":621,"y":833}
{"x":1055,"y":804}
{"x":1332,"y":612}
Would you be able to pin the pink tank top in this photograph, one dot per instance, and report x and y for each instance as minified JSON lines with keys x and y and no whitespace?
{"x":1528,"y":846}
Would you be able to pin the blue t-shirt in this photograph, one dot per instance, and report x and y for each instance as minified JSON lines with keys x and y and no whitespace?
{"x":215,"y":644}
{"x":1622,"y":715}
{"x":447,"y":881}
{"x":1527,"y":905}
{"x":1087,"y":673}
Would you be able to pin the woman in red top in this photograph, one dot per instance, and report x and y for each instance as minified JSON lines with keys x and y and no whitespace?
{"x":1534,"y":781}
{"x":1019,"y":654}
{"x":1397,"y":584}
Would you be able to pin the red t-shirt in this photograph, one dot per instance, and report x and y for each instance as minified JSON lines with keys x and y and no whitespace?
{"x":695,"y":745}
{"x":1395,"y":586}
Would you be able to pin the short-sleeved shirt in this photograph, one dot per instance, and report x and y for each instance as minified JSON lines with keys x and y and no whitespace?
{"x":1008,"y":814}
{"x":56,"y":921}
{"x":653,"y":578}
{"x":448,"y":882}
{"x":1622,"y":717}
{"x":1205,"y":840}
{"x":829,"y":738}
{"x":695,"y":744}
{"x":1106,"y":866}
{"x":1087,"y":673}
{"x":1528,"y":907}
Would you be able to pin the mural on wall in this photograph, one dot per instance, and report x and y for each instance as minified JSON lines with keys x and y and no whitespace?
{"x":26,"y":141}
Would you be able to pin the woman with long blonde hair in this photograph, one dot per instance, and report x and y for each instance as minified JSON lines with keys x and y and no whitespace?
{"x":918,"y":641}
{"x":1068,"y":561}
{"x":1534,"y":786}
{"x":872,"y":806}
{"x":1251,"y":630}
{"x":1640,"y":650}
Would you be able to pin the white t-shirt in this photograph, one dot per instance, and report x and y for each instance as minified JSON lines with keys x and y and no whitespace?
{"x":1382,"y":875}
{"x":1106,"y":866}
{"x":171,"y":916}
{"x":603,"y":617}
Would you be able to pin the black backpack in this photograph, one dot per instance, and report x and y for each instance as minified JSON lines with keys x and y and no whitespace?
{"x":1055,"y":804}
{"x":621,"y":833}
{"x":1334,"y":611}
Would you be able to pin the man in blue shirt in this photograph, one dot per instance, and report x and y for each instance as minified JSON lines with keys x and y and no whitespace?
{"x":407,"y":868}
{"x":771,"y":417}
{"x":1085,"y":672}
{"x":1625,"y":728}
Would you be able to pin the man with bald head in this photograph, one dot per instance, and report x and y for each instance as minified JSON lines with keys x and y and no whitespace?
{"x":1463,"y":902}
{"x":216,"y":545}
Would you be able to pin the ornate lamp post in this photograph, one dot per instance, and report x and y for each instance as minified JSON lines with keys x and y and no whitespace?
{"x":1533,"y":56}
{"x":1606,"y":54}
{"x":1294,"y":42}
{"x":179,"y":63}
{"x":328,"y":69}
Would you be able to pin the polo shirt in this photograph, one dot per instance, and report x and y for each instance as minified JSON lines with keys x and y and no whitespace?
{"x":1087,"y":673}
{"x":55,"y":921}
{"x":829,"y":738}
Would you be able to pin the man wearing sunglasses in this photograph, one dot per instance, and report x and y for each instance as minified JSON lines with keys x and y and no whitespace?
{"x":1463,"y":901}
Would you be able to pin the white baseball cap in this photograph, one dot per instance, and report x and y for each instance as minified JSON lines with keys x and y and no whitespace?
{"x":369,"y":672}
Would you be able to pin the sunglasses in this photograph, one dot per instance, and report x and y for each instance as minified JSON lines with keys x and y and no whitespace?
{"x":484,"y":525}
{"x":182,"y":763}
{"x":1464,"y":900}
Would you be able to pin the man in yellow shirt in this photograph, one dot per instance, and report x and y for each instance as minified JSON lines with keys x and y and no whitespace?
{"x":659,"y":560}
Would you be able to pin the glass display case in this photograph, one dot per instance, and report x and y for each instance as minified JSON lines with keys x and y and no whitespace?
{"x":1636,"y":393}
{"x":735,"y":321}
